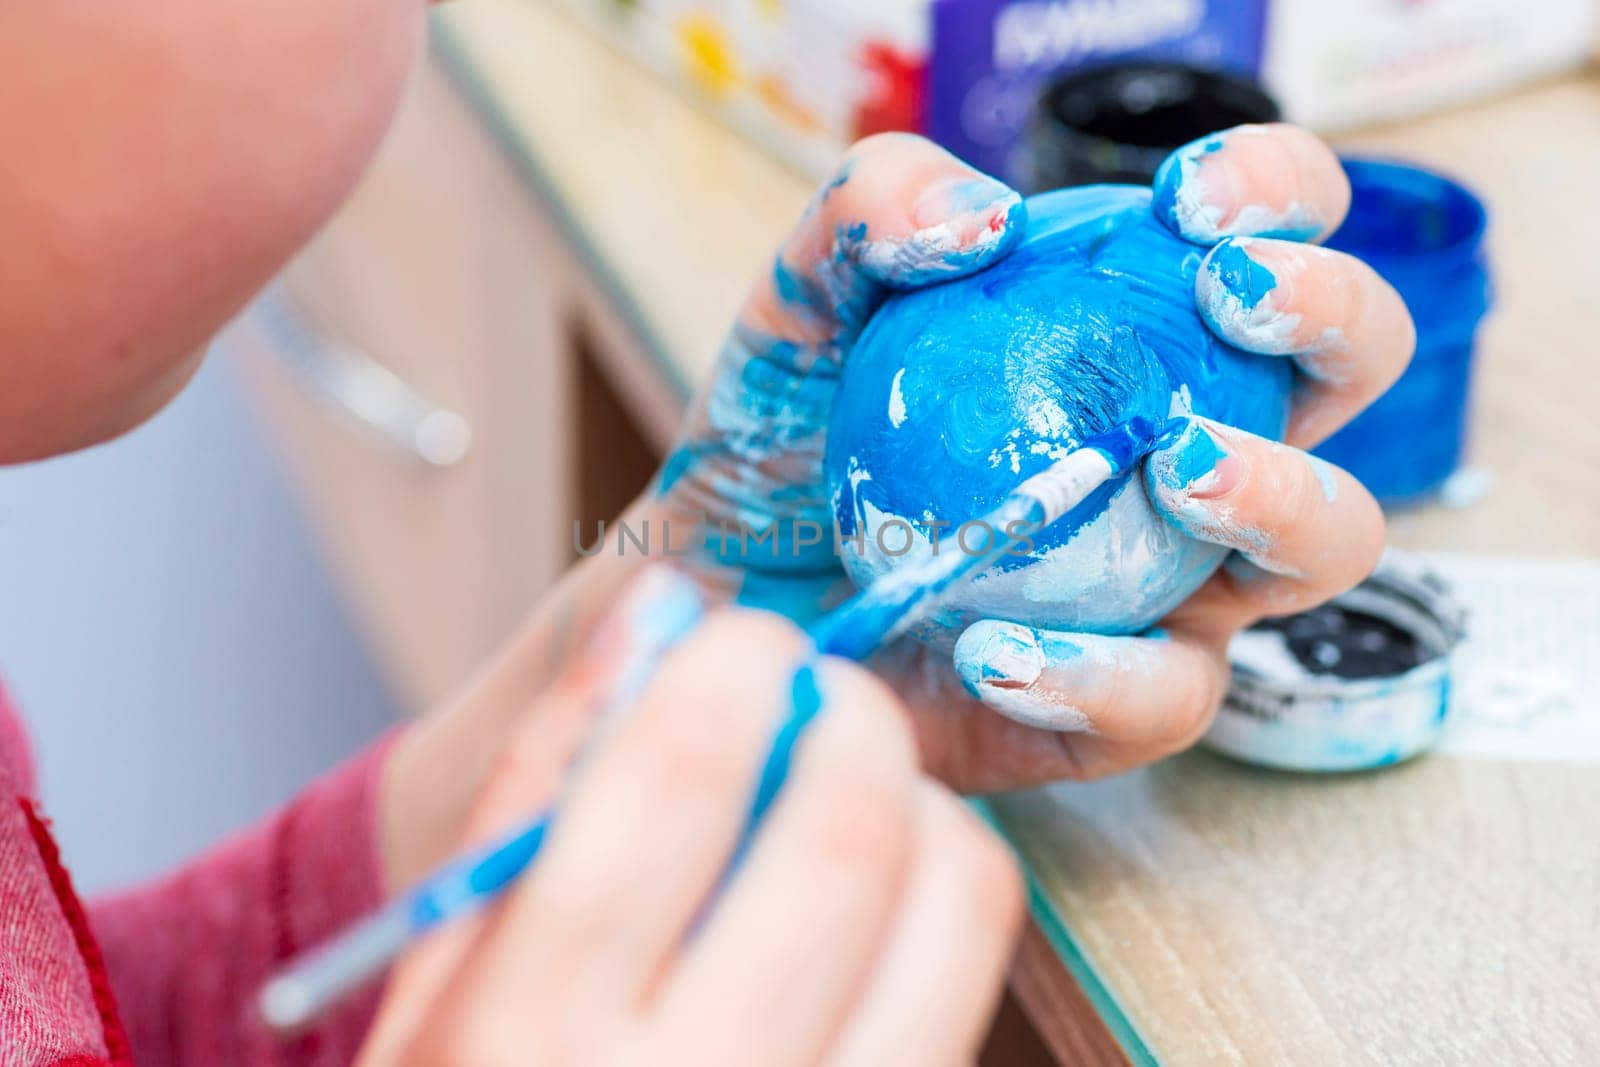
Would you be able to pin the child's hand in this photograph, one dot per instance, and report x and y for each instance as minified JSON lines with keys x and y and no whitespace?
{"x":870,"y":922}
{"x":902,"y":213}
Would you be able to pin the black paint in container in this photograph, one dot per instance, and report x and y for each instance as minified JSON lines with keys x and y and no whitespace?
{"x":1363,"y":681}
{"x":1117,"y":123}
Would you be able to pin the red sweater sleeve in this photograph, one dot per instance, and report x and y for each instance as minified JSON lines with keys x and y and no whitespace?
{"x":187,"y":954}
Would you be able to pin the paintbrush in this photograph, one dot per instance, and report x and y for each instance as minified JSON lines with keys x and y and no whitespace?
{"x":868,"y":620}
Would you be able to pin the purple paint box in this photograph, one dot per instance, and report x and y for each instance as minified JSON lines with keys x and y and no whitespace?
{"x":990,"y":59}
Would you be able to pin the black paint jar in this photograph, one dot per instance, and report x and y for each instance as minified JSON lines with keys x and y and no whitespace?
{"x":1117,"y":123}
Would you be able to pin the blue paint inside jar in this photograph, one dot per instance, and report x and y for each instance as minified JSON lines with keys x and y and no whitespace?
{"x":1425,"y":234}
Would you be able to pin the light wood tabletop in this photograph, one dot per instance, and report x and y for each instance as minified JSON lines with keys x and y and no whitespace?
{"x":1443,"y":911}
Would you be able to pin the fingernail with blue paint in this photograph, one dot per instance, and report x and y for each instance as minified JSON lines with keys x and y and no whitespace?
{"x":1196,"y":190}
{"x":1243,"y":298}
{"x":1002,"y":663}
{"x":1195,"y":467}
{"x":999,"y":654}
{"x":1200,"y":193}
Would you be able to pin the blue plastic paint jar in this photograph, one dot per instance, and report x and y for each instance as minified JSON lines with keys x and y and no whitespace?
{"x":1424,"y":233}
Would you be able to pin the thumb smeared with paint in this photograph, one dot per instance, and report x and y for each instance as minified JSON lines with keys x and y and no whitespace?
{"x":900,"y":213}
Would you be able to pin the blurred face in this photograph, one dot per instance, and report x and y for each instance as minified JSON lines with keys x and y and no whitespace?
{"x":166,"y":170}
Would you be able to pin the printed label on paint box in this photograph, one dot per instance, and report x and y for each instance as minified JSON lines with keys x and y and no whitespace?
{"x":991,"y":58}
{"x":1050,"y":33}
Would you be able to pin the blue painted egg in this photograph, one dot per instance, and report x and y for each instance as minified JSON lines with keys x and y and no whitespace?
{"x":956,"y":393}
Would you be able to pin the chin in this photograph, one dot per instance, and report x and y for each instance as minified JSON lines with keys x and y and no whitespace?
{"x":76,"y":415}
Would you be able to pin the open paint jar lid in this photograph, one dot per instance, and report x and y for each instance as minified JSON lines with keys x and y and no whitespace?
{"x":1360,"y":682}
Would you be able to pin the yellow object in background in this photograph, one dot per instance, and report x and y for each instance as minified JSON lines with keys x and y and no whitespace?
{"x":708,"y":54}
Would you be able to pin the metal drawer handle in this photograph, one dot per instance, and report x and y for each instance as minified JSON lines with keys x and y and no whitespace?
{"x":344,"y":377}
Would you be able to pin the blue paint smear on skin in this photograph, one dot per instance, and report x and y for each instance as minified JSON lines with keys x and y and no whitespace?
{"x":1090,"y":322}
{"x":806,"y":702}
{"x":676,"y":466}
{"x":1300,"y":234}
{"x":789,"y":286}
{"x":801,"y":601}
{"x":1324,"y":473}
{"x":1057,"y":648}
{"x":840,"y":180}
{"x":773,"y":399}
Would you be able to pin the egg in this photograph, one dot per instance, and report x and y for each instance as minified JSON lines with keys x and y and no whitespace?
{"x":956,"y":393}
